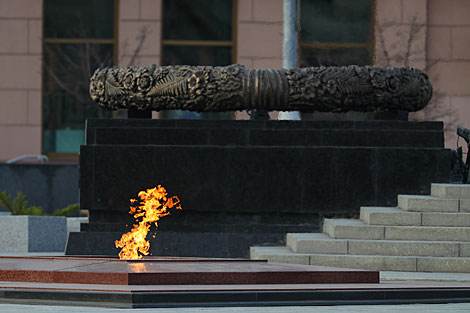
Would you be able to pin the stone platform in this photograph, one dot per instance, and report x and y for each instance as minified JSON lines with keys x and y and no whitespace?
{"x":246,"y":183}
{"x":196,"y":282}
{"x":172,"y":271}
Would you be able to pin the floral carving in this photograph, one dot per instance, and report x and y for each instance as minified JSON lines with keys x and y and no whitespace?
{"x":377,"y":79}
{"x":144,"y":82}
{"x":129,"y":81}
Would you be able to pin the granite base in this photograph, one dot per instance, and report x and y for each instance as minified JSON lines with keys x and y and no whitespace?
{"x":24,"y":233}
{"x":238,"y":179}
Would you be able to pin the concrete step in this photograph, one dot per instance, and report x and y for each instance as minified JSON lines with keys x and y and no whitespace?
{"x":279,"y":254}
{"x":352,"y":229}
{"x":427,"y":204}
{"x":451,"y":191}
{"x":315,"y":243}
{"x":370,"y":262}
{"x":398,"y":217}
{"x":389,"y":216}
{"x":357,"y":229}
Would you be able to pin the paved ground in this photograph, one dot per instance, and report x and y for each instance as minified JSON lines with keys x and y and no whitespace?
{"x":385,"y":276}
{"x":428,"y":308}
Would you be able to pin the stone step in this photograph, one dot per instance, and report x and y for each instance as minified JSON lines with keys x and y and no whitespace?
{"x":370,"y":262}
{"x":417,"y":203}
{"x":266,"y":133}
{"x":266,"y":137}
{"x":389,"y":216}
{"x":451,"y":191}
{"x":278,"y":254}
{"x":357,"y":229}
{"x":352,"y":229}
{"x":92,"y":123}
{"x":398,"y":217}
{"x":316,"y":243}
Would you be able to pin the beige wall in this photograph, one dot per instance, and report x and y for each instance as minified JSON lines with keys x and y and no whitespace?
{"x":20,"y":77}
{"x":134,"y":16}
{"x":440,"y":46}
{"x":137,"y":17}
{"x":448,"y":52}
{"x":400,"y":33}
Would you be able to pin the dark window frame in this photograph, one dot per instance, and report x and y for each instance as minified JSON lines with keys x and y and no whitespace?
{"x":370,"y":45}
{"x":73,"y":156}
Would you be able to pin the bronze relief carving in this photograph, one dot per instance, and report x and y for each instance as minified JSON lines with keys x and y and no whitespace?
{"x":234,"y":87}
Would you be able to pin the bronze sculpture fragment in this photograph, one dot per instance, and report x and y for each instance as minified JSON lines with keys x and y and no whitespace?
{"x":234,"y":87}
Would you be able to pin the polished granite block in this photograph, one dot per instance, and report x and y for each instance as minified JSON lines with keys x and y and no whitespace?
{"x":266,"y":137}
{"x":239,"y":180}
{"x":176,"y":243}
{"x":259,"y":179}
{"x":142,"y":284}
{"x":172,"y":271}
{"x":92,"y":124}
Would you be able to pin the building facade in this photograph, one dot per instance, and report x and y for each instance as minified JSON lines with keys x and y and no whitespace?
{"x":49,"y":48}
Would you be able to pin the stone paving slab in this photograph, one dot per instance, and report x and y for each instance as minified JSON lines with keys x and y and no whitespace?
{"x":423,"y":276}
{"x":428,"y":308}
{"x":389,"y":280}
{"x":171,"y":271}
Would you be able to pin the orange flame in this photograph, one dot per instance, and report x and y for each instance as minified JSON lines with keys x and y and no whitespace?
{"x":154,"y":205}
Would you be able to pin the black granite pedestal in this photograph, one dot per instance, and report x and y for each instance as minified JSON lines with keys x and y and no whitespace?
{"x":244,"y":183}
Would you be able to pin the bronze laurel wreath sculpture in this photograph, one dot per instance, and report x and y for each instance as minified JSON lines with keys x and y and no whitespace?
{"x":234,"y":87}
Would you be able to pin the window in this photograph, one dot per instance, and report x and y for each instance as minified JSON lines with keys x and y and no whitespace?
{"x":79,"y":36}
{"x":335,"y":32}
{"x":198,"y":32}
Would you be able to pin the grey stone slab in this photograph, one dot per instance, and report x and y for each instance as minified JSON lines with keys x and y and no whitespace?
{"x":403,"y":248}
{"x":424,"y":277}
{"x":427,"y":203}
{"x":443,"y":265}
{"x":369,"y":262}
{"x":389,"y":216}
{"x":464,"y":249}
{"x":278,"y":255}
{"x":427,"y":233}
{"x":464,"y":205}
{"x":352,"y":229}
{"x":458,"y":191}
{"x":446,"y":219}
{"x":315,"y":243}
{"x":22,"y":233}
{"x":74,"y":223}
{"x":14,"y":234}
{"x":47,"y":233}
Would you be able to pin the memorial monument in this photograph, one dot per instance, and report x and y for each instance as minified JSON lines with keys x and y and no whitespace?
{"x":234,"y":87}
{"x":248,"y":183}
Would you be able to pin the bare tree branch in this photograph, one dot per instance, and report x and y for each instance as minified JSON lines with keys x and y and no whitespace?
{"x":71,"y":69}
{"x":144,"y":31}
{"x":380,"y":32}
